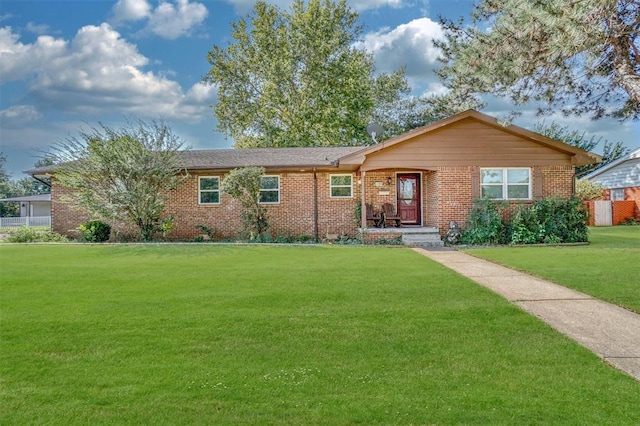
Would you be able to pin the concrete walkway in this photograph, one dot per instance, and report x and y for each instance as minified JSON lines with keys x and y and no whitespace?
{"x":613,"y":333}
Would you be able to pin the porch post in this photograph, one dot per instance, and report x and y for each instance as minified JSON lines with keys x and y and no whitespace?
{"x":363,"y":205}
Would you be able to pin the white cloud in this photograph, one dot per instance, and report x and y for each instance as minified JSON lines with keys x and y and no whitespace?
{"x":167,"y":20}
{"x":37,"y":28}
{"x":95,"y":73}
{"x":17,"y":116}
{"x":171,"y":21}
{"x":18,"y":60}
{"x":409,"y":45}
{"x":131,"y":10}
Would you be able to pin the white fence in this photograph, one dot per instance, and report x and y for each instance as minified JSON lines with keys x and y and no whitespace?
{"x":16,"y":222}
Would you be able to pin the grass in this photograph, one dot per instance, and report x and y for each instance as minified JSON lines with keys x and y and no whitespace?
{"x":209,"y":334}
{"x":608,"y":268}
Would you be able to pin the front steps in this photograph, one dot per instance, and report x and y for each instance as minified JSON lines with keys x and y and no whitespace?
{"x":411,"y":236}
{"x":424,"y":237}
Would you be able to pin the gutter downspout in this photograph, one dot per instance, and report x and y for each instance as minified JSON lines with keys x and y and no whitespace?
{"x":315,"y":205}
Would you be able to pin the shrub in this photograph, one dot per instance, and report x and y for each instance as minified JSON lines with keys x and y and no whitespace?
{"x":525,"y":226}
{"x":485,"y":224}
{"x":95,"y":231}
{"x":550,"y":221}
{"x":34,"y":235}
{"x":630,"y":221}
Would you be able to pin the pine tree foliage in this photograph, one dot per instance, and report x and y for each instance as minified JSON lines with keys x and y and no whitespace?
{"x":610,"y":151}
{"x":582,"y":56}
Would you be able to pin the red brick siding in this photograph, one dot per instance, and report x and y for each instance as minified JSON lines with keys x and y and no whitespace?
{"x":292,"y":216}
{"x":622,"y":210}
{"x":431,"y":191}
{"x":447,"y":195}
{"x":65,"y":216}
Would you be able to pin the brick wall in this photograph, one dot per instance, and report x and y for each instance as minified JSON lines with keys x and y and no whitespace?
{"x":65,"y":215}
{"x":622,"y":210}
{"x":447,"y":194}
{"x":293,"y":216}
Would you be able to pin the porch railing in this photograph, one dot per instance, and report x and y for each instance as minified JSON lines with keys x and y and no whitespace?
{"x":16,"y":222}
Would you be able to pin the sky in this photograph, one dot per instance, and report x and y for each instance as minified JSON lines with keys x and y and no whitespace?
{"x":67,"y":65}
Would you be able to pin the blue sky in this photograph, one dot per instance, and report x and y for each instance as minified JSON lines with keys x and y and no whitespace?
{"x":66,"y":65}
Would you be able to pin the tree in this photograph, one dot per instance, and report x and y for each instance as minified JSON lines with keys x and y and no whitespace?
{"x":122,"y":174}
{"x":610,"y":151}
{"x":243,"y":184}
{"x":7,"y":209}
{"x":580,"y":55}
{"x":296,"y":79}
{"x":588,"y":191}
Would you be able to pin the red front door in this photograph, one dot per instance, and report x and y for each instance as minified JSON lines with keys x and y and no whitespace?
{"x":409,"y":198}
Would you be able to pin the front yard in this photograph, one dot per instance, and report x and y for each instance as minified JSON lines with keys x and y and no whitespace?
{"x":608,"y":268}
{"x":215,"y":334}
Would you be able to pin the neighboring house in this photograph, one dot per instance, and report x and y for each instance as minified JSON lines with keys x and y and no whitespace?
{"x":32,"y":205}
{"x":621,"y":180}
{"x":430,"y":176}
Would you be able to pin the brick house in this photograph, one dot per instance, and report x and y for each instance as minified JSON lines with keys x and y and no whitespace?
{"x":621,"y":180}
{"x":430,"y":176}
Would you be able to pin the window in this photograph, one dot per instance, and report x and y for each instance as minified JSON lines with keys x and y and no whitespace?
{"x":617,"y":194}
{"x":270,"y":189}
{"x":341,"y":186}
{"x":209,"y":190}
{"x":506,"y":184}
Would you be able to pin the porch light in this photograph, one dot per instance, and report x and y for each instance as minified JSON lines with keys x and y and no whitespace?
{"x":389,"y":180}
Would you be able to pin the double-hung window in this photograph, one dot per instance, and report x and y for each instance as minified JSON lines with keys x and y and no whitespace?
{"x":269,"y":190}
{"x":209,"y":190}
{"x":506,"y":184}
{"x":341,"y":186}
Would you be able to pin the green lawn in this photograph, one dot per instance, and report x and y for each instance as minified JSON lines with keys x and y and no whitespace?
{"x":228,"y":335}
{"x":608,"y":268}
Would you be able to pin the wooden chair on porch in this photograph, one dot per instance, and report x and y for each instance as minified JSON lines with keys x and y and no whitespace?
{"x":375,"y":217}
{"x":390,"y":214}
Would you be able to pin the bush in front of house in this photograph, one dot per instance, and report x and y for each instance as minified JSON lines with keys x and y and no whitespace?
{"x":550,"y":221}
{"x":485,"y":224}
{"x":34,"y":235}
{"x":95,"y":231}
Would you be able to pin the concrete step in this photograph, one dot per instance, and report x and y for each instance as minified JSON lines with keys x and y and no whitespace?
{"x":426,"y":237}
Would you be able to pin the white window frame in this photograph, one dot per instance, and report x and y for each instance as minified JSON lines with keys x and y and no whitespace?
{"x":350,"y":186}
{"x":277,"y":190}
{"x":619,"y":194}
{"x":200,"y":190}
{"x":505,"y":184}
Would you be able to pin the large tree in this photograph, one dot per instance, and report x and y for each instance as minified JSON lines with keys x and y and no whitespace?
{"x":295,"y":78}
{"x":580,"y":55}
{"x":610,"y":151}
{"x":122,"y":174}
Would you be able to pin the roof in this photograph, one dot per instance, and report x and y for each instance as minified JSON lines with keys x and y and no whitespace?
{"x":265,"y":157}
{"x":30,"y":198}
{"x":631,"y":156}
{"x":225,"y":159}
{"x":579,"y":156}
